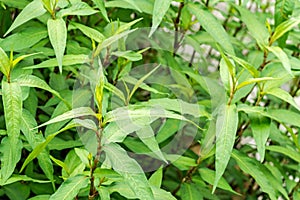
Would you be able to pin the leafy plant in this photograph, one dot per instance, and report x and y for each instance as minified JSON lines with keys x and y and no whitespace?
{"x":149,"y":99}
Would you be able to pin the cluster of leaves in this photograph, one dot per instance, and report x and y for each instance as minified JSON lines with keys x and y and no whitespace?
{"x":211,"y":114}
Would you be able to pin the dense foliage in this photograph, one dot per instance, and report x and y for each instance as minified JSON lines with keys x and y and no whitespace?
{"x":149,"y":99}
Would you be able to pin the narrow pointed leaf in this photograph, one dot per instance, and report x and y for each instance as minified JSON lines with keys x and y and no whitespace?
{"x":260,"y":126}
{"x":131,"y":171}
{"x":141,"y":80}
{"x":67,"y":60}
{"x":160,"y":9}
{"x":208,"y":176}
{"x":40,"y":147}
{"x":11,"y":149}
{"x":101,"y":6}
{"x":249,"y":67}
{"x":189,"y":191}
{"x":34,"y":81}
{"x":58,"y":37}
{"x":79,"y":9}
{"x":16,"y":178}
{"x":34,"y":139}
{"x":146,"y":134}
{"x":283,"y":95}
{"x":32,"y":10}
{"x":115,"y":91}
{"x":284,"y":27}
{"x":282,"y":56}
{"x":226,"y":128}
{"x":255,"y":27}
{"x":156,"y":178}
{"x":12,"y":102}
{"x":4,"y":63}
{"x":295,"y":155}
{"x":254,"y":80}
{"x":90,"y":32}
{"x":70,"y":188}
{"x":255,"y":169}
{"x":72,"y":114}
{"x":212,"y":26}
{"x":17,"y":60}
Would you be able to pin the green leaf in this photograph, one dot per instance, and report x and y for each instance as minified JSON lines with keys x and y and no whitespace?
{"x":283,"y":9}
{"x":146,"y":134}
{"x":145,"y":6}
{"x":11,"y":149}
{"x":255,"y":169}
{"x":33,"y":81}
{"x":15,"y":4}
{"x":140,"y":81}
{"x":254,"y":80}
{"x":284,"y":116}
{"x":34,"y":139}
{"x":12,"y":102}
{"x":160,"y":194}
{"x":144,"y":86}
{"x":126,"y":26}
{"x":76,"y":112}
{"x":57,"y":31}
{"x":59,"y":163}
{"x":72,"y":165}
{"x":115,"y":91}
{"x":279,"y":115}
{"x":131,"y":171}
{"x":32,"y":10}
{"x":24,"y":39}
{"x":283,"y":95}
{"x":189,"y":191}
{"x":180,"y":106}
{"x":4,"y":63}
{"x":79,"y":9}
{"x":40,"y":147}
{"x":225,"y":75}
{"x":156,"y":178}
{"x":160,"y":9}
{"x":129,"y":55}
{"x":168,"y":129}
{"x":67,"y":60}
{"x":226,"y":127}
{"x":181,"y":162}
{"x":208,"y":176}
{"x":103,"y":193}
{"x":20,"y":58}
{"x":133,"y":4}
{"x":284,"y":27}
{"x":109,"y":41}
{"x":260,"y":126}
{"x":90,"y":32}
{"x":101,"y":6}
{"x":212,"y":26}
{"x":70,"y":188}
{"x":255,"y":27}
{"x":295,"y":155}
{"x":40,"y":197}
{"x":16,"y":178}
{"x":282,"y":56}
{"x":249,"y":67}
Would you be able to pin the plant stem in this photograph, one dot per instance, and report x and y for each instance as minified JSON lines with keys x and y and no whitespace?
{"x":176,"y":25}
